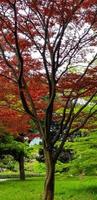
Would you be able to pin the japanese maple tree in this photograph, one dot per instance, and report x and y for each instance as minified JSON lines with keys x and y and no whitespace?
{"x":41,"y":42}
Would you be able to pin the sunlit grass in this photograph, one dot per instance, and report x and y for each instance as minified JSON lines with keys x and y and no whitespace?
{"x":78,"y":188}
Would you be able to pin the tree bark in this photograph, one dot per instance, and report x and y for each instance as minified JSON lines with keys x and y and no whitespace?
{"x":50,"y":177}
{"x":21,"y":167}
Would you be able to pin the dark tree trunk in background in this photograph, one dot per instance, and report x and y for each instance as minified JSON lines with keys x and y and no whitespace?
{"x":21,"y":167}
{"x":21,"y":158}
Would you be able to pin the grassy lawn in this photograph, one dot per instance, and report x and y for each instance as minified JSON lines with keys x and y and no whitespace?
{"x":66,"y":189}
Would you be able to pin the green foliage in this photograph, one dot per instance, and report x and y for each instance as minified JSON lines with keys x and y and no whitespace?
{"x":38,"y":168}
{"x":8,"y":163}
{"x":31,"y":164}
{"x":60,"y":167}
{"x":10,"y":151}
{"x":8,"y":144}
{"x":85,"y":155}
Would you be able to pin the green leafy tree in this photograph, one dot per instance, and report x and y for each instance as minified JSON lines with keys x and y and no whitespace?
{"x":10,"y":146}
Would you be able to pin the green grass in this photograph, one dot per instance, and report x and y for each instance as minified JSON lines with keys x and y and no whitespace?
{"x":78,"y":188}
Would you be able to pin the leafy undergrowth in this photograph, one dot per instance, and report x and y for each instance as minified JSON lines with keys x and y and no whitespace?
{"x":78,"y":188}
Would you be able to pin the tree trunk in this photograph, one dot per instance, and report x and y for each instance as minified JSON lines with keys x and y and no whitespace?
{"x":50,"y":177}
{"x":21,"y":167}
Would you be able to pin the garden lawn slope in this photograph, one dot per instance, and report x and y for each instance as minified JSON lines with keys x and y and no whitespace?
{"x":79,"y":188}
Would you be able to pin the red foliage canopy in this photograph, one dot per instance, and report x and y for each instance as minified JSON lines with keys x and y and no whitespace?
{"x":44,"y":46}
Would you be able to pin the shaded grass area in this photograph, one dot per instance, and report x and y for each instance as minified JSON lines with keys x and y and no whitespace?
{"x":78,"y":188}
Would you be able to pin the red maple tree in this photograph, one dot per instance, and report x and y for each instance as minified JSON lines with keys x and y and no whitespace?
{"x":42,"y":43}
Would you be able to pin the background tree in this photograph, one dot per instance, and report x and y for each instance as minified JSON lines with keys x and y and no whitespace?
{"x":13,"y":120}
{"x":10,"y":146}
{"x":40,"y":42}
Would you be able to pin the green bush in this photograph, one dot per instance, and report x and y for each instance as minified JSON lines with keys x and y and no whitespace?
{"x":85,"y":160}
